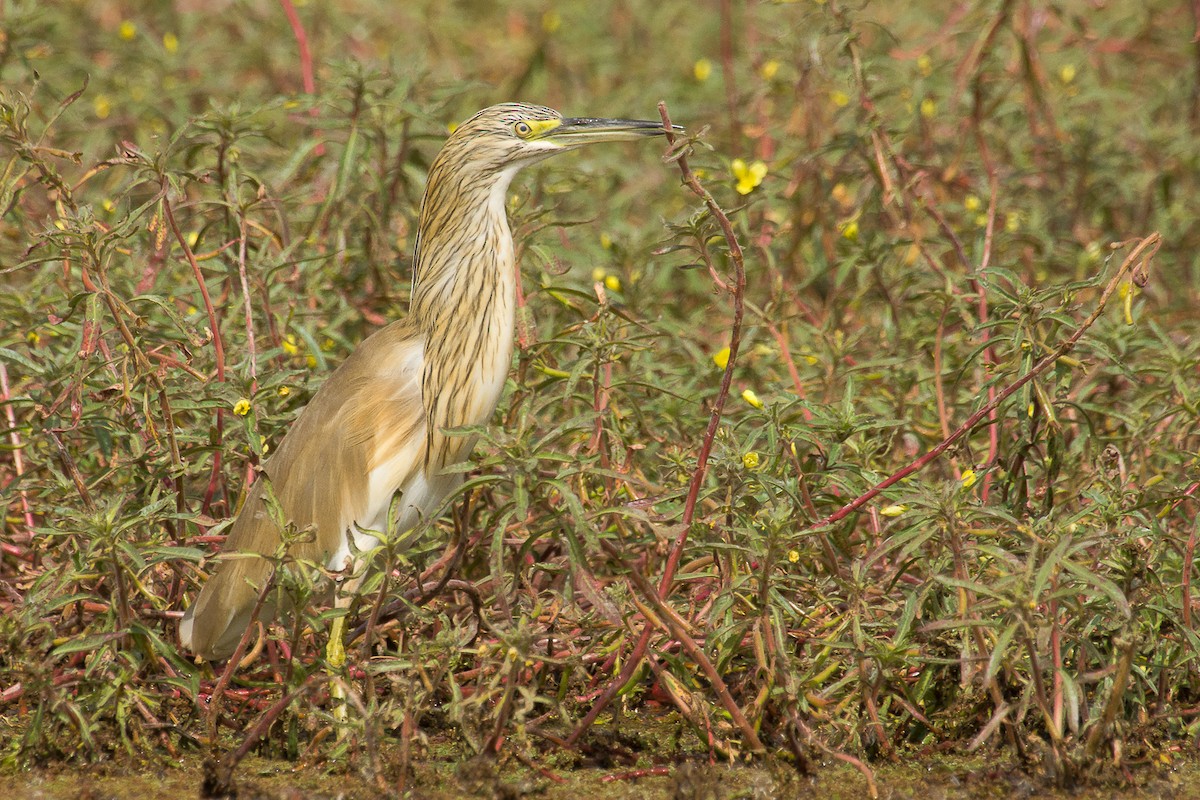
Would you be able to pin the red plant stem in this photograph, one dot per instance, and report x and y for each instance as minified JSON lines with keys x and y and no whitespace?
{"x":989,"y":355}
{"x":218,"y":345}
{"x":634,"y":659}
{"x":306,"y":62}
{"x":649,"y":772}
{"x":1151,"y":243}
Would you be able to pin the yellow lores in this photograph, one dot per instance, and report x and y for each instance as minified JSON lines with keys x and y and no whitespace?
{"x":376,"y":430}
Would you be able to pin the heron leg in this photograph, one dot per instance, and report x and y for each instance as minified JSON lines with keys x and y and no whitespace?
{"x":335,"y":655}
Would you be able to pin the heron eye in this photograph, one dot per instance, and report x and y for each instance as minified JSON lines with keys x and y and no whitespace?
{"x":523,"y":129}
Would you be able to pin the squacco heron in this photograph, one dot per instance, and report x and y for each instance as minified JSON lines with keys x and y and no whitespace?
{"x":376,"y":429}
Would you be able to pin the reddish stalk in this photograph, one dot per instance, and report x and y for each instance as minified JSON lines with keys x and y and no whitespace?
{"x":306,"y":62}
{"x":634,"y":658}
{"x":218,"y":344}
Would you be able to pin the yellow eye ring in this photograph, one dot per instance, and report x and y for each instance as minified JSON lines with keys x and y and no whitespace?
{"x":523,"y":128}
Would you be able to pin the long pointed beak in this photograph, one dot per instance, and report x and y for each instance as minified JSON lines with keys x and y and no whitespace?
{"x":576,"y":131}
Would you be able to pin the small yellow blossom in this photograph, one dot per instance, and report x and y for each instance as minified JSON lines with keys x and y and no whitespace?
{"x":127,"y":30}
{"x":702,"y":69}
{"x":1066,"y":74}
{"x":551,"y":21}
{"x":925,"y":65}
{"x":721,"y":358}
{"x":606,"y":241}
{"x":893,"y":510}
{"x":748,"y":176}
{"x":928,"y":108}
{"x":612,"y":283}
{"x":972,"y":203}
{"x":290,"y":345}
{"x":108,"y":205}
{"x":1012,"y":221}
{"x":284,"y":391}
{"x":311,"y":361}
{"x":170,"y":42}
{"x":327,"y":344}
{"x":750,"y":460}
{"x":750,"y":397}
{"x":33,"y":338}
{"x":598,"y":275}
{"x":769,"y":70}
{"x":793,"y":556}
{"x":981,"y":220}
{"x":968,"y":478}
{"x":839,"y":98}
{"x":850,"y":231}
{"x":102,"y":106}
{"x":241,"y":407}
{"x":451,"y":127}
{"x":192,"y":238}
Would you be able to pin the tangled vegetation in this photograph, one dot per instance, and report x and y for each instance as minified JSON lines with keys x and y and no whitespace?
{"x":861,"y":424}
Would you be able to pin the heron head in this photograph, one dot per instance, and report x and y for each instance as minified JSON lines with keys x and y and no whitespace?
{"x":517,"y":134}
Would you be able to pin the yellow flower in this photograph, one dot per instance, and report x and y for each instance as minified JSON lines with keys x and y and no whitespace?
{"x":241,"y":407}
{"x":108,"y":205}
{"x":839,"y":98}
{"x":793,"y":556}
{"x":748,"y":175}
{"x":968,"y":479}
{"x":606,"y":241}
{"x":750,"y":460}
{"x":127,"y":30}
{"x":551,"y":21}
{"x":284,"y":391}
{"x":928,"y":108}
{"x":1067,"y":73}
{"x":850,"y":231}
{"x":925,"y":65}
{"x":170,"y":42}
{"x":769,"y":69}
{"x":33,"y":338}
{"x":102,"y":106}
{"x":612,"y":283}
{"x":702,"y":69}
{"x":750,"y":397}
{"x":290,"y":346}
{"x":972,"y":203}
{"x":721,"y":358}
{"x":894,"y":510}
{"x":981,"y":220}
{"x":1012,"y":221}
